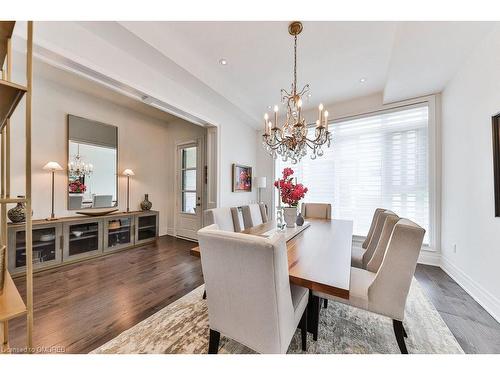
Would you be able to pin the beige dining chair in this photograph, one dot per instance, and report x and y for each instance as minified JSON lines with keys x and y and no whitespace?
{"x":222,"y":216}
{"x":361,"y":257}
{"x":250,"y":297}
{"x":317,"y":210}
{"x":237,"y":219}
{"x":254,"y":214}
{"x":383,"y":288}
{"x":366,"y":242}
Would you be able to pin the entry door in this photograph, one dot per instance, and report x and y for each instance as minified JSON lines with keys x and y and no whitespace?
{"x":189,"y":190}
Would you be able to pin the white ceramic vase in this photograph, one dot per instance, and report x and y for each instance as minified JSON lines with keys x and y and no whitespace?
{"x":290,"y":214}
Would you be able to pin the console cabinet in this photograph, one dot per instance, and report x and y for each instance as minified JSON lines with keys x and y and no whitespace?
{"x":76,"y":238}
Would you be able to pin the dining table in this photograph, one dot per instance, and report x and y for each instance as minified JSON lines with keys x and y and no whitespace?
{"x":319,"y":258}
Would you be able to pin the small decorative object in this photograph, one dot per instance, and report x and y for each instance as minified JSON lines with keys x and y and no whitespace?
{"x":279,"y":217}
{"x":146,"y":204}
{"x":77,"y":187}
{"x":53,"y":166}
{"x":290,"y":194}
{"x":242,"y":178}
{"x":47,"y":237}
{"x":114,"y":224}
{"x":128,"y":173}
{"x":300,"y":219}
{"x":18,"y":214}
{"x":97,"y":211}
{"x":77,"y":233}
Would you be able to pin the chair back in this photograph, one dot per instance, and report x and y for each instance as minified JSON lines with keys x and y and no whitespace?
{"x":377,"y":231}
{"x":237,"y":219}
{"x":378,"y":255}
{"x":221,"y":216}
{"x":254,"y":214}
{"x":248,"y":290}
{"x":317,"y":210}
{"x":372,"y":227}
{"x":388,"y":292}
{"x":99,"y":201}
{"x":75,"y":202}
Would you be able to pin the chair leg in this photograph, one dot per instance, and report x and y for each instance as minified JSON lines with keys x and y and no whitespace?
{"x":213,"y":343}
{"x":313,"y":315}
{"x":205,"y":294}
{"x":404,"y":332}
{"x":303,"y":330}
{"x":399,"y":332}
{"x":325,"y":303}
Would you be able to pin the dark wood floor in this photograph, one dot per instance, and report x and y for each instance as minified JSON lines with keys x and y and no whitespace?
{"x":475,"y":329}
{"x":80,"y":307}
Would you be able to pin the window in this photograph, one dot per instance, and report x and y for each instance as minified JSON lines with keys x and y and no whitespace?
{"x":188,"y":180}
{"x":378,"y":160}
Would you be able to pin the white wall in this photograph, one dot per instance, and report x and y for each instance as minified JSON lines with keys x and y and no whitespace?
{"x":468,"y":218}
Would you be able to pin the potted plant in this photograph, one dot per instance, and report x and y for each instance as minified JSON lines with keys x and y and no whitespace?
{"x":290,"y":193}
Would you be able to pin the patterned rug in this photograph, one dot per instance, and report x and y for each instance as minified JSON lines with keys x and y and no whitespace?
{"x":182,"y":327}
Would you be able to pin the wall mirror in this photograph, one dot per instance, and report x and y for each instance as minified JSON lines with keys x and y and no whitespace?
{"x":92,"y":164}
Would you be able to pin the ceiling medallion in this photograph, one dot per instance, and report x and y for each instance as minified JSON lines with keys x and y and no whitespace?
{"x":290,"y":140}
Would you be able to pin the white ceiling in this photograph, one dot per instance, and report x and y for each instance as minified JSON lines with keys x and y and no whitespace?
{"x":402,"y":59}
{"x":178,"y":62}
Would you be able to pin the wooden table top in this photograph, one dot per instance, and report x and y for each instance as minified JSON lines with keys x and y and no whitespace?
{"x":319,"y":258}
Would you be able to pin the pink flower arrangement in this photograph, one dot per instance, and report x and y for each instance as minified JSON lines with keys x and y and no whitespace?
{"x":77,"y":187}
{"x":290,"y":192}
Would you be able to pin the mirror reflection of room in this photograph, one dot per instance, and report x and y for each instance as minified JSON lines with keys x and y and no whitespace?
{"x":92,"y":174}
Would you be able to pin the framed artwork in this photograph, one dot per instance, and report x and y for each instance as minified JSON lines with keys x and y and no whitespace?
{"x":242,"y":178}
{"x":496,"y":160}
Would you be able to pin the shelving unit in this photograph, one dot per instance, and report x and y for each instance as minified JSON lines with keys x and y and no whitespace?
{"x":12,"y":304}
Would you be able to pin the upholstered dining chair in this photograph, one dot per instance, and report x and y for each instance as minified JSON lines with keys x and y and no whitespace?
{"x":250,"y":296}
{"x":254,"y":214}
{"x":317,"y":210}
{"x":221,"y":216}
{"x":361,"y":257}
{"x":383,"y":288}
{"x":366,"y":242}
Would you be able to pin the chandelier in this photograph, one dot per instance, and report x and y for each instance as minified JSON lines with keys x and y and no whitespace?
{"x":78,"y":168}
{"x":291,"y":140}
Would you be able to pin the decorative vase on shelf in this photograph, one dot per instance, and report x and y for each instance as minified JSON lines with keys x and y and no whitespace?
{"x":300,"y":219}
{"x":290,"y":216}
{"x":146,"y":204}
{"x":17,"y":214}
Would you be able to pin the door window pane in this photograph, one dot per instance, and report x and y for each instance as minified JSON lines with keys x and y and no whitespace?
{"x":189,"y":157}
{"x":189,"y":179}
{"x":188,"y":202}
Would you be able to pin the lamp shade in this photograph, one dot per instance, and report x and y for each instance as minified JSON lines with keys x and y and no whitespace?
{"x":128,"y":172}
{"x":260,"y":182}
{"x":52,"y":166}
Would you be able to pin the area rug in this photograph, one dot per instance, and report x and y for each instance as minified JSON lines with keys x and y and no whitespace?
{"x":182,"y":327}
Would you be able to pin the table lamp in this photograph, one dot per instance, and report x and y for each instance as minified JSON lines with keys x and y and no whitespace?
{"x":128,"y":173}
{"x":260,"y":183}
{"x":52,"y":166}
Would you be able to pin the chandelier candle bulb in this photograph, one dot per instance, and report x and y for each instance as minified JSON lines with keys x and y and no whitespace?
{"x":326,"y":119}
{"x":266,"y":117}
{"x":320,"y":108}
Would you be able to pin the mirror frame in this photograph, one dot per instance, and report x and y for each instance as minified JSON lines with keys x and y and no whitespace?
{"x":68,"y":157}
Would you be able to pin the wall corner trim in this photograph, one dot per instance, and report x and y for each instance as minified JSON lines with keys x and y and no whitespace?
{"x":488,"y":301}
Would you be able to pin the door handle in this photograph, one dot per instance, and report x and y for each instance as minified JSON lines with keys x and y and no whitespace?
{"x":198,"y":204}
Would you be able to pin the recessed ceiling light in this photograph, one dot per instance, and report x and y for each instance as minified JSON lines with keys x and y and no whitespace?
{"x":223,"y":61}
{"x":362,"y":80}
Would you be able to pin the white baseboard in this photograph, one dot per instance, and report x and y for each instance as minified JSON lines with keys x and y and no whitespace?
{"x":431,"y":258}
{"x":170,"y":232}
{"x":488,"y":301}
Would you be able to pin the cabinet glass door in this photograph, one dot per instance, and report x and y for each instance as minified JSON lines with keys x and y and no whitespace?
{"x":83,"y":239}
{"x":146,"y":228}
{"x":118,"y":233}
{"x":46,"y":248}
